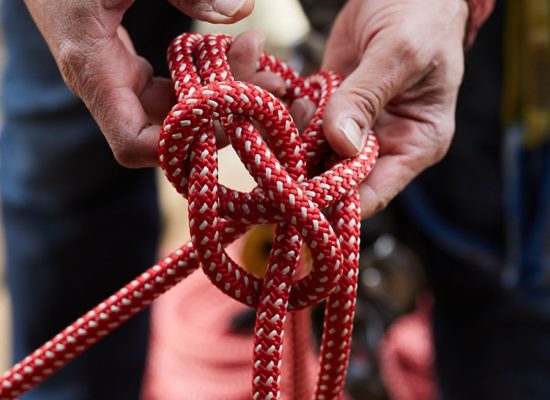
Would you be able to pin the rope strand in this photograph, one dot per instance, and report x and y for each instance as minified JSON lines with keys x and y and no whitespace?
{"x":322,"y":211}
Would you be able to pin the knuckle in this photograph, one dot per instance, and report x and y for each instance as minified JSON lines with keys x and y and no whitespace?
{"x":406,"y":47}
{"x":373,"y":202}
{"x":123,"y":144}
{"x":122,"y":139}
{"x":368,"y":100}
{"x":72,"y":64}
{"x":124,"y":155}
{"x":377,"y":205}
{"x":382,"y":204}
{"x":410,"y":53}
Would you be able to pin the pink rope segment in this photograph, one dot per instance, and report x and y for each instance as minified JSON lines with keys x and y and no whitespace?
{"x":311,"y":197}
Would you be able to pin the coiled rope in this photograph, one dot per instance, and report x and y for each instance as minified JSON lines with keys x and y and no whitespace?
{"x":308,"y":194}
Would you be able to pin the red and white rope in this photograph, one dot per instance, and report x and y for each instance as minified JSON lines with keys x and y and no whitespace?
{"x":319,"y":208}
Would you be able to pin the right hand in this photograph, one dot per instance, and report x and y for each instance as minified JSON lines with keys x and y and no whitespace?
{"x":99,"y":64}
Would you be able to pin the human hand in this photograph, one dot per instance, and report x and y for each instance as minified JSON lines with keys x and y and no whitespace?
{"x":403,"y":62}
{"x":99,"y":64}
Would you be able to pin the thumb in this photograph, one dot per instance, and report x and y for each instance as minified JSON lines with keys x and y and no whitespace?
{"x":216,"y":11}
{"x":354,"y":107}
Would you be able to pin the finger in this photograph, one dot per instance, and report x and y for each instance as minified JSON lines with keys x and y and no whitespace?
{"x":110,"y":81}
{"x":129,"y":115}
{"x":157,"y":99}
{"x":386,"y":69}
{"x":126,"y":126}
{"x":243,"y":57}
{"x":221,"y":137}
{"x":401,"y":160}
{"x":244,"y":54}
{"x":389,"y":177}
{"x":270,"y":82}
{"x":216,"y":11}
{"x":302,"y":112}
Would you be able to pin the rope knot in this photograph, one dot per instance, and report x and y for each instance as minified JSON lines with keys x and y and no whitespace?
{"x":322,"y":210}
{"x":306,"y":204}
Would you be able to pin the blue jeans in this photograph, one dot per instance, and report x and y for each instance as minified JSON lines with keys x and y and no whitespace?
{"x":77,"y":225}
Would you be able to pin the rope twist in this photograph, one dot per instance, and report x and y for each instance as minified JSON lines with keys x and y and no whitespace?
{"x":305,"y":203}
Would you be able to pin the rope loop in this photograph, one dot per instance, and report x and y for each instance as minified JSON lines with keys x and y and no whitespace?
{"x":283,"y":196}
{"x":306,"y":192}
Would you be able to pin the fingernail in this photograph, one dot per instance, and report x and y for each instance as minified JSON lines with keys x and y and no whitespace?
{"x":353,"y":133}
{"x":228,"y":7}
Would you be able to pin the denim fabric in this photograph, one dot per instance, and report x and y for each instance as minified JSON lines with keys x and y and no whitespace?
{"x":77,"y":225}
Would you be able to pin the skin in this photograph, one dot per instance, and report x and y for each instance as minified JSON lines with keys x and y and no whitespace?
{"x":99,"y":64}
{"x":404,"y":62}
{"x":402,"y":59}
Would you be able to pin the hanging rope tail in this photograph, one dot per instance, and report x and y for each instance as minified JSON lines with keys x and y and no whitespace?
{"x":307,"y":205}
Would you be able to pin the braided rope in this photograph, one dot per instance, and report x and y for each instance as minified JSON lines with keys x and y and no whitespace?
{"x":320,"y":209}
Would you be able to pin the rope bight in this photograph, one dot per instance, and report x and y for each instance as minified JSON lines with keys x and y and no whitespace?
{"x":308,"y":194}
